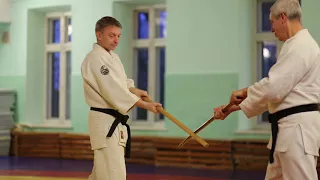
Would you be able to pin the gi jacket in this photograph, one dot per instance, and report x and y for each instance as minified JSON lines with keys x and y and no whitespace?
{"x":105,"y":85}
{"x":293,"y":80}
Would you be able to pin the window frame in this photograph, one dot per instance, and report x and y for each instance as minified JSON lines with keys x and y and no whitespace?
{"x":259,"y":37}
{"x":63,"y":48}
{"x":152,"y":43}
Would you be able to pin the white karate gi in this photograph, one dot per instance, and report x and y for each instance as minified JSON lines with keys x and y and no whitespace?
{"x":294,"y":80}
{"x":106,"y":86}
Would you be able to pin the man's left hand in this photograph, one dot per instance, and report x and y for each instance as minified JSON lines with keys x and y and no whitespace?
{"x":238,"y":96}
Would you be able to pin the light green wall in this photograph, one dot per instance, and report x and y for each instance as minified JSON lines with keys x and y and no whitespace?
{"x":122,"y":11}
{"x":208,"y":55}
{"x":34,"y":67}
{"x":310,"y":17}
{"x":22,"y":60}
{"x":5,"y":48}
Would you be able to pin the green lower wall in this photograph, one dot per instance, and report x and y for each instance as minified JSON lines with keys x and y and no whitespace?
{"x":79,"y":108}
{"x":16,"y":83}
{"x":189,"y":97}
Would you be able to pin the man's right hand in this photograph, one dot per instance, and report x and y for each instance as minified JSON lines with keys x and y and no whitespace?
{"x":218,"y":114}
{"x":152,"y":106}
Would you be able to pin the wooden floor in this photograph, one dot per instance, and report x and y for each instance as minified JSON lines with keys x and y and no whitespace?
{"x":13,"y":168}
{"x":129,"y":178}
{"x":35,"y":178}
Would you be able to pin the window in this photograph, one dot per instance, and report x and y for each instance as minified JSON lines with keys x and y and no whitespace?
{"x":58,"y":67}
{"x":266,"y":46}
{"x":149,"y":57}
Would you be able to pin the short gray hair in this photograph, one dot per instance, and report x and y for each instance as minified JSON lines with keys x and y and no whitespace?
{"x":107,"y":21}
{"x":291,"y":8}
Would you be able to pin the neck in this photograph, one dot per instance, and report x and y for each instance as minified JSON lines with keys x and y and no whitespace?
{"x":100,"y":44}
{"x":294,"y":27}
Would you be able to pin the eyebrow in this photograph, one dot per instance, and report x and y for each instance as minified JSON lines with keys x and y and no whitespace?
{"x":114,"y":34}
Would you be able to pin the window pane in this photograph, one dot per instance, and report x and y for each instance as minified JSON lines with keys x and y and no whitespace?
{"x":161,"y":24}
{"x":143,"y":25}
{"x":265,"y":11}
{"x":53,"y":77}
{"x":142,"y":78}
{"x":68,"y":30}
{"x":68,"y":85}
{"x":267,"y":58}
{"x":161,"y":57}
{"x":54,"y":31}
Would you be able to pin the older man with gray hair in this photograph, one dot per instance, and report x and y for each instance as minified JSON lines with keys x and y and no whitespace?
{"x":291,"y":93}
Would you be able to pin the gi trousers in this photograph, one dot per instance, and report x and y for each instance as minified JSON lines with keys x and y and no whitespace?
{"x":293,"y":164}
{"x":109,"y":161}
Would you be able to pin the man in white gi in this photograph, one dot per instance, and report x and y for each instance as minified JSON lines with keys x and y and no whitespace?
{"x":291,"y":94}
{"x":110,"y":95}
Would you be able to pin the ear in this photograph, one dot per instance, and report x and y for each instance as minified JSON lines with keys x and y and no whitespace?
{"x":98,"y":34}
{"x":283,"y":16}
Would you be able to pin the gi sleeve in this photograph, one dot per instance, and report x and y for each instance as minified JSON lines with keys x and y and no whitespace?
{"x":284,"y":75}
{"x":130,"y":83}
{"x":251,"y":106}
{"x":112,"y":88}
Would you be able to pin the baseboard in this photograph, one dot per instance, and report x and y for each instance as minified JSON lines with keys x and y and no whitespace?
{"x":158,"y":151}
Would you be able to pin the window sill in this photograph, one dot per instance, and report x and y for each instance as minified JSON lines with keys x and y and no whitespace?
{"x":158,"y":126}
{"x":254,"y":131}
{"x":47,"y":125}
{"x":255,"y":127}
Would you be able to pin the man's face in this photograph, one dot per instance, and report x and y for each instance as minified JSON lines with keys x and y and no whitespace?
{"x":279,"y":27}
{"x":109,"y":37}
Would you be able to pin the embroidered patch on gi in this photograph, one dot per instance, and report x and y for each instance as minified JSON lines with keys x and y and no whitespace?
{"x":104,"y":70}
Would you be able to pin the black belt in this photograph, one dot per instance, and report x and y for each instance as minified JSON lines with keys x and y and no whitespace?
{"x":274,"y":118}
{"x":120,"y":118}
